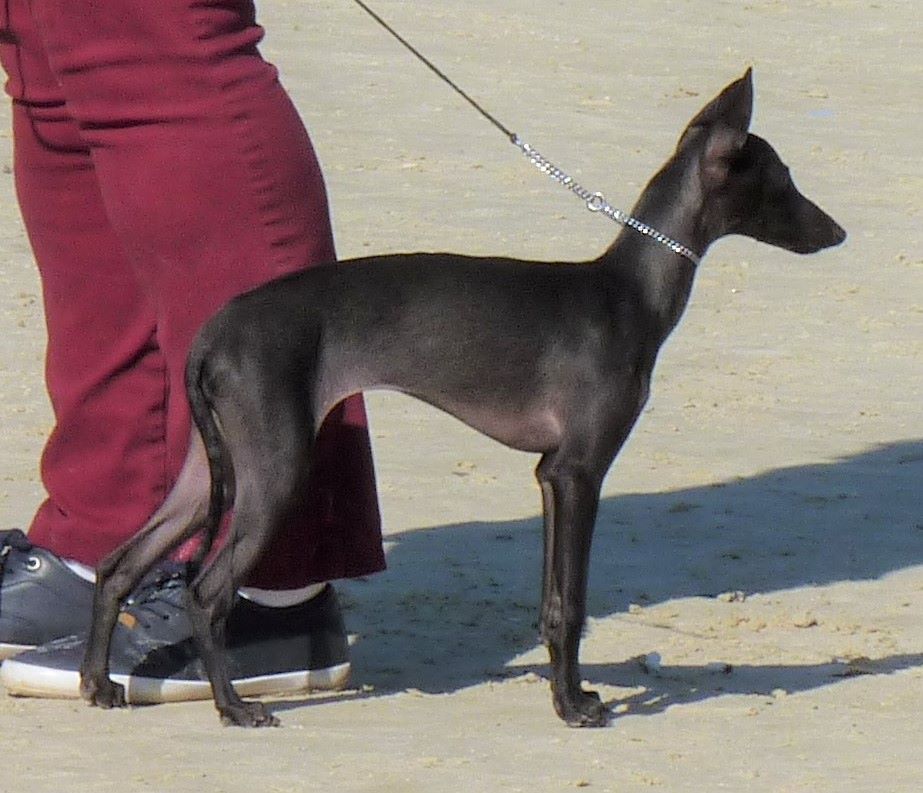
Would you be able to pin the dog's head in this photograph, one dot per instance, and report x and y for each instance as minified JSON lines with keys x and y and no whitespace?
{"x":746,"y":188}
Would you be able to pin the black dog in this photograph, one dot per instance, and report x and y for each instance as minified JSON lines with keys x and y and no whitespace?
{"x":544,"y":357}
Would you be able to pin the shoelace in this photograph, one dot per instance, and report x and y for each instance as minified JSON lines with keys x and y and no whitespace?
{"x":12,"y":540}
{"x":160,"y":594}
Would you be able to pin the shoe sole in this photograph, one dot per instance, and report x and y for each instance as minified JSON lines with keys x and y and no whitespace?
{"x":27,"y":680}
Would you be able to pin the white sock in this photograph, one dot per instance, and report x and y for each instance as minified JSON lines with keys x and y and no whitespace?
{"x":280,"y":598}
{"x":86,"y":573}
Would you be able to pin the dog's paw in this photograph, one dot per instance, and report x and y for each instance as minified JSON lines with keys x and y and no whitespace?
{"x":247,"y":714}
{"x":583,"y":710}
{"x":103,"y":693}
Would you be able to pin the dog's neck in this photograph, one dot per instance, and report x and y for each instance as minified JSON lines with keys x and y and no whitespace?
{"x":671,"y":203}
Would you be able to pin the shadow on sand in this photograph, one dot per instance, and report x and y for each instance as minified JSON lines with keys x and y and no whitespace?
{"x":459,"y":602}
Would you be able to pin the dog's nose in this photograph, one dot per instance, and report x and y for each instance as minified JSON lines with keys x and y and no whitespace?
{"x":834,"y":234}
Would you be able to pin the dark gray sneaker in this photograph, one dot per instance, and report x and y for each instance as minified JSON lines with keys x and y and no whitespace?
{"x":270,"y":650}
{"x":41,"y":598}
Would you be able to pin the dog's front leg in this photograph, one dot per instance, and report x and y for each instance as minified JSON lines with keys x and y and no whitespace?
{"x":571,"y":495}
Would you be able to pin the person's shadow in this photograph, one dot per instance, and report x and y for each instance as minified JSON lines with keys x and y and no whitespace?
{"x":459,"y":602}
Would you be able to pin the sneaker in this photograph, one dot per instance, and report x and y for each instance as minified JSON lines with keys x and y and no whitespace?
{"x":270,"y":650}
{"x":41,"y":598}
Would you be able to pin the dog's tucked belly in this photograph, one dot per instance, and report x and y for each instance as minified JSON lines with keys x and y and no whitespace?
{"x":527,"y":424}
{"x":533,"y":429}
{"x":508,"y":403}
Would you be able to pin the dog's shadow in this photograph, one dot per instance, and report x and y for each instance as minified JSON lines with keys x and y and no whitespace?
{"x":656,"y":690}
{"x":459,"y":602}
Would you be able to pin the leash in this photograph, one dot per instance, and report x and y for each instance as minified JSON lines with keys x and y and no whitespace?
{"x":594,"y":201}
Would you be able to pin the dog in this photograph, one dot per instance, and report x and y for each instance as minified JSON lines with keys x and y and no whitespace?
{"x":550,"y":358}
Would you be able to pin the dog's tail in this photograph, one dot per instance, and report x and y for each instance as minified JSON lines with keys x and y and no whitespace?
{"x":221,"y":489}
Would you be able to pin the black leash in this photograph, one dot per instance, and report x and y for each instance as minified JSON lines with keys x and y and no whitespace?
{"x":435,"y":70}
{"x":595,"y":202}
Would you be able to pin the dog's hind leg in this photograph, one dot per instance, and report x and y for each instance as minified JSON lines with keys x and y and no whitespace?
{"x":209,"y":602}
{"x":181,"y":515}
{"x":211,"y":596}
{"x":271,"y":462}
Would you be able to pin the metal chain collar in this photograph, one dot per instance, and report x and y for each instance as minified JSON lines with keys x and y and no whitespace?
{"x":596,"y":202}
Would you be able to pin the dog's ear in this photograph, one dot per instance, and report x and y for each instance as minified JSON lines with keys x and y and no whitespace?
{"x":721,"y":128}
{"x":732,"y":107}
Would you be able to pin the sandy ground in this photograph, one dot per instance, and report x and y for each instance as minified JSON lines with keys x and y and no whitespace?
{"x":761,"y":532}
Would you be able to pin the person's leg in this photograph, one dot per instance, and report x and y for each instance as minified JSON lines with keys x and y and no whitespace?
{"x":104,"y":464}
{"x":211,"y":186}
{"x":208,"y":186}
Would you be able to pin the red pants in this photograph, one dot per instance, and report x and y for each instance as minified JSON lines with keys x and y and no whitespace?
{"x":161,"y":169}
